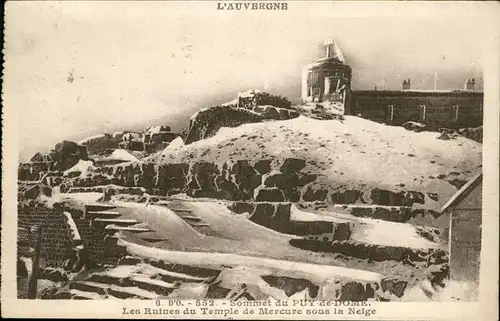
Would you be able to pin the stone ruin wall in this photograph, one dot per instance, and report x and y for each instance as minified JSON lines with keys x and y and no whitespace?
{"x":254,"y":181}
{"x":262,"y":99}
{"x":207,"y":122}
{"x":57,"y":236}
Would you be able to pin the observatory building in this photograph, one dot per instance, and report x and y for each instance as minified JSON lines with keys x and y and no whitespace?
{"x":328,"y":79}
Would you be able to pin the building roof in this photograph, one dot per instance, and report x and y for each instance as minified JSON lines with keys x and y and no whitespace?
{"x":334,"y":50}
{"x":463,"y":192}
{"x":413,"y":92}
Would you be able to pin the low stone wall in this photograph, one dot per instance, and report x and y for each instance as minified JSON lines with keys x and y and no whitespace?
{"x":261,"y":99}
{"x":263,"y":180}
{"x":207,"y":122}
{"x":56,"y":234}
{"x":57,"y":237}
{"x":275,"y":113}
{"x":100,"y":143}
{"x":378,"y":253}
{"x":276,"y":216}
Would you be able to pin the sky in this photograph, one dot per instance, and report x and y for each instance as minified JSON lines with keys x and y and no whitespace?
{"x":81,"y":68}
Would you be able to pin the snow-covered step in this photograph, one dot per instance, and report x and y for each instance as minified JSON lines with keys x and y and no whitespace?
{"x":184,"y":210}
{"x":171,"y":277}
{"x":117,"y":221}
{"x":103,"y":283}
{"x":182,"y":269}
{"x":198,"y":224}
{"x":123,"y":292}
{"x":153,"y":285}
{"x":103,"y":214}
{"x":83,"y":295}
{"x":114,"y":228}
{"x":191,"y":218}
{"x":375,"y":252}
{"x":103,"y":278}
{"x":154,"y":239}
{"x":89,"y":286}
{"x":98,"y":207}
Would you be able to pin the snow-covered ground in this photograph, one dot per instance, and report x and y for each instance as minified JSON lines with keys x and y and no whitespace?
{"x":354,"y":153}
{"x":314,"y":272}
{"x":371,"y":231}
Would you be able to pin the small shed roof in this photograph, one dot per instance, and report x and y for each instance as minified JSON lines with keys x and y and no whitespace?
{"x":464,"y":191}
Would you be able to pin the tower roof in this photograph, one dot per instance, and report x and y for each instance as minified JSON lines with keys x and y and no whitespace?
{"x":332,"y":50}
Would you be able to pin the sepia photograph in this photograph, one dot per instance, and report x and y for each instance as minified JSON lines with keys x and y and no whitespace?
{"x":244,"y":151}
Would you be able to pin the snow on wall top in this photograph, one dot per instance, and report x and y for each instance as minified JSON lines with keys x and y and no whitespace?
{"x":120,"y":154}
{"x":82,"y":166}
{"x":72,"y":226}
{"x":248,"y":93}
{"x":91,"y":138}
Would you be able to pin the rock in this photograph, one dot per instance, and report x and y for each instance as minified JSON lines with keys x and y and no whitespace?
{"x":475,"y":134}
{"x":355,"y":291}
{"x":270,"y":195}
{"x":273,"y":216}
{"x":66,"y":154}
{"x":205,"y":168}
{"x":228,"y":190}
{"x":252,"y":99}
{"x":282,"y":181}
{"x":394,"y":286}
{"x":291,"y":286}
{"x":37,"y":190}
{"x":414,"y":126}
{"x":385,"y":197}
{"x":444,"y":136}
{"x":133,"y":145}
{"x":314,"y":195}
{"x":247,"y":184}
{"x":263,"y":166}
{"x":306,"y":179}
{"x":269,"y":112}
{"x":39,"y":158}
{"x":216,"y":291}
{"x":55,"y":275}
{"x":458,"y":183}
{"x":100,"y":143}
{"x":292,"y":194}
{"x":342,"y":231}
{"x":172,"y":176}
{"x":283,"y":212}
{"x":262,"y":214}
{"x":347,"y":197}
{"x":242,"y":167}
{"x":205,"y":174}
{"x":310,"y":229}
{"x":240,"y":208}
{"x":292,"y":165}
{"x":207,"y":122}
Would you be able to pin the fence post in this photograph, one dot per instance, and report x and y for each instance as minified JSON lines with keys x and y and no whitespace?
{"x":32,"y":285}
{"x":422,"y":112}
{"x":391,"y":113}
{"x":456,"y":112}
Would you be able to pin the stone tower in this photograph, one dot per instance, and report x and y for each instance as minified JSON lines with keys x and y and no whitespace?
{"x":328,"y":80}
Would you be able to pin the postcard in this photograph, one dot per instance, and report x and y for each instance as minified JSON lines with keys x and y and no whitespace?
{"x":250,"y":159}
